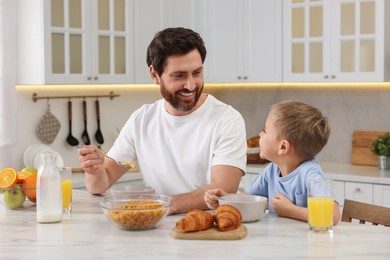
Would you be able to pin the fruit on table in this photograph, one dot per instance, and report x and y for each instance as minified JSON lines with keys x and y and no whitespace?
{"x":29,"y":186}
{"x":22,"y":176}
{"x":8,"y":178}
{"x":15,"y":197}
{"x":30,"y":169}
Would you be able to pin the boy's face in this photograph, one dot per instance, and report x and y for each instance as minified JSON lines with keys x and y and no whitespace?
{"x":269,"y":141}
{"x":181,"y":83}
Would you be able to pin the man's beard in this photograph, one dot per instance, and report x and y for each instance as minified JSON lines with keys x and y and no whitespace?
{"x":175,"y":99}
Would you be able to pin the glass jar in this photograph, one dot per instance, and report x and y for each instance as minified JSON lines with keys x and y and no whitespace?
{"x":49,"y":193}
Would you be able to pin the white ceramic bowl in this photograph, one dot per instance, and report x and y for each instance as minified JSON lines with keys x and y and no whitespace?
{"x":252,"y":207}
{"x":122,"y":192}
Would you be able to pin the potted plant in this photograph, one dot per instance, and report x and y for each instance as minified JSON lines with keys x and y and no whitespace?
{"x":381,"y":147}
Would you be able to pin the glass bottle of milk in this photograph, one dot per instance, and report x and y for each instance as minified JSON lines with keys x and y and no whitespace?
{"x":49,"y":193}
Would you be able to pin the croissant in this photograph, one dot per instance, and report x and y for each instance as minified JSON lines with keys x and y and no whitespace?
{"x":195,"y":220}
{"x":227,"y":217}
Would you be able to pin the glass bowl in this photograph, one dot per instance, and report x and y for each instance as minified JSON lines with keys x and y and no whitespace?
{"x":137,"y":211}
{"x":121,"y":192}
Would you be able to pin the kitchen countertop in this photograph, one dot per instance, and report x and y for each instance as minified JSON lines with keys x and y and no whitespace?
{"x":87,"y":234}
{"x":342,"y":172}
{"x":78,"y":179}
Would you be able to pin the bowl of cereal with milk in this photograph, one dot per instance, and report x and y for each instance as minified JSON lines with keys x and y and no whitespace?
{"x":136,"y":211}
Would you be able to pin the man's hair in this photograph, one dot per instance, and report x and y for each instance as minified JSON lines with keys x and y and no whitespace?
{"x":173,"y":41}
{"x":302,"y":125}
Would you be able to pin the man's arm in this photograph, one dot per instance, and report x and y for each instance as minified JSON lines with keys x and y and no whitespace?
{"x":222,"y":176}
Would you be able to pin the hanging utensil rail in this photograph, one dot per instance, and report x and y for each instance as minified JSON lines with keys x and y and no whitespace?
{"x":111,"y":95}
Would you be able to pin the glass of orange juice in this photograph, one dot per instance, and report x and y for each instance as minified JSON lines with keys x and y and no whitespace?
{"x":66,"y":180}
{"x":320,"y":205}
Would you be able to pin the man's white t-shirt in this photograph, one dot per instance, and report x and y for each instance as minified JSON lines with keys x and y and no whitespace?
{"x":174,"y":153}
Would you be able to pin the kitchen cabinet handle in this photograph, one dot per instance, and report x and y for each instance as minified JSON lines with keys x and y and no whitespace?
{"x":333,"y":76}
{"x":95,"y":78}
{"x":326,"y":77}
{"x":89,"y":78}
{"x":245,"y":77}
{"x":239,"y":77}
{"x":357,"y":189}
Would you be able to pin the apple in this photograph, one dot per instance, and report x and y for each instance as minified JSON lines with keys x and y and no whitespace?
{"x":15,"y":197}
{"x":29,"y":169}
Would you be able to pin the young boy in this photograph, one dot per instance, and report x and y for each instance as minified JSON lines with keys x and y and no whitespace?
{"x":294,"y":133}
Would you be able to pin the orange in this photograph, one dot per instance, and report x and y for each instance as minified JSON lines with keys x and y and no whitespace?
{"x":8,"y":178}
{"x":29,"y":186}
{"x":22,"y":176}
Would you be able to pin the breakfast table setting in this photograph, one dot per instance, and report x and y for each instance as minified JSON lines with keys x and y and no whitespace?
{"x":86,"y":233}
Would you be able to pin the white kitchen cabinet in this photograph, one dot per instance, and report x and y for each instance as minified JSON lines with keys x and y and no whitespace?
{"x":154,"y":15}
{"x":339,"y":192}
{"x":325,"y":41}
{"x":358,"y":191}
{"x":243,"y":40}
{"x":75,"y":41}
{"x":382,"y":195}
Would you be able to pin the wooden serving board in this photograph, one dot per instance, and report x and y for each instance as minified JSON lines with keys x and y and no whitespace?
{"x":361,"y":147}
{"x":212,"y":234}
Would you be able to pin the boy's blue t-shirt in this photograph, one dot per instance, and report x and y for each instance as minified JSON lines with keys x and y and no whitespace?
{"x":294,"y":185}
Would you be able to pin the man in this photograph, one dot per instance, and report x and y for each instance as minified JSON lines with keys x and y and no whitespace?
{"x":187,"y":138}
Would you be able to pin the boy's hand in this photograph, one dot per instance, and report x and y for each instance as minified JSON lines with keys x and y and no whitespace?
{"x":281,"y":205}
{"x":211,"y":197}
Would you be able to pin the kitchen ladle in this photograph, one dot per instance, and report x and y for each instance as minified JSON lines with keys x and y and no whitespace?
{"x":71,"y":140}
{"x":84,"y":135}
{"x":98,"y":136}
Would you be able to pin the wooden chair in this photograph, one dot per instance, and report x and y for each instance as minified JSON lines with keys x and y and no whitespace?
{"x":364,"y":212}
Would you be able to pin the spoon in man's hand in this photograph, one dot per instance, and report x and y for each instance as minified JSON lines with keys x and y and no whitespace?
{"x":209,"y":192}
{"x":123,"y":164}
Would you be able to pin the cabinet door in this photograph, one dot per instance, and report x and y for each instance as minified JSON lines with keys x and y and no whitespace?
{"x":357,"y":40}
{"x":243,"y":39}
{"x":339,"y":192}
{"x":154,"y":15}
{"x":88,"y":41}
{"x":306,"y":44}
{"x":333,"y":40}
{"x":359,"y":191}
{"x":382,"y":195}
{"x":111,"y":42}
{"x":66,"y":41}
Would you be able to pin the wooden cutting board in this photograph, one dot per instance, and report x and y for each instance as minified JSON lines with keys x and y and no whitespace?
{"x":212,"y":234}
{"x":361,"y":147}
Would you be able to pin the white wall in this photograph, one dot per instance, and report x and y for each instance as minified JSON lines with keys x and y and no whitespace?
{"x":348,"y":109}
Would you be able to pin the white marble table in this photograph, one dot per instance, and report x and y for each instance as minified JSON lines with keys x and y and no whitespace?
{"x":87,"y":234}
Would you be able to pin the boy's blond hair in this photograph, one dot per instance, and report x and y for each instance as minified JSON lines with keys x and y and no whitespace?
{"x":302,"y":125}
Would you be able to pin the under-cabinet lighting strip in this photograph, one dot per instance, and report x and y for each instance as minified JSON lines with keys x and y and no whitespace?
{"x":35,"y":96}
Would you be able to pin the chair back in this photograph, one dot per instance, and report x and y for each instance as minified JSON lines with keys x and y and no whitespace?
{"x":364,"y":212}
